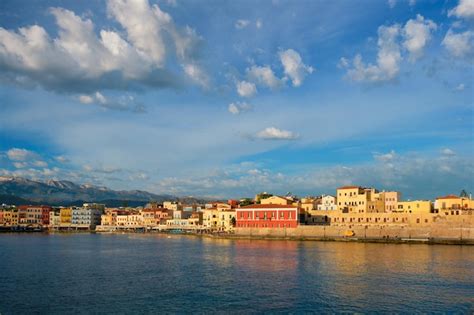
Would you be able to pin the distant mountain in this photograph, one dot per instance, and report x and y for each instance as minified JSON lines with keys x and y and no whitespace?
{"x":18,"y":190}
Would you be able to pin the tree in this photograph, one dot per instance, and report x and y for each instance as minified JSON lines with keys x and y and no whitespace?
{"x":233,"y":221}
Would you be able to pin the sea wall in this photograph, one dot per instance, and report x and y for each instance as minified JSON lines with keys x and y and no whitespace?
{"x":458,"y":230}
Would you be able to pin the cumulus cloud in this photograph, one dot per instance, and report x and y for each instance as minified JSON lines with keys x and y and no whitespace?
{"x":197,"y":74}
{"x":294,"y":67}
{"x":122,"y":103}
{"x":16,"y":154}
{"x":246,"y":89}
{"x":264,"y":75}
{"x":240,"y":24}
{"x":239,"y":107}
{"x":272,"y":133}
{"x":388,"y":59}
{"x":61,"y":159}
{"x":448,"y":152}
{"x":465,"y":9}
{"x":406,"y":173}
{"x":417,"y":33}
{"x":78,"y":60}
{"x":460,"y":87}
{"x":413,"y":36}
{"x":459,"y":44}
{"x":385,"y":157}
{"x":392,"y":3}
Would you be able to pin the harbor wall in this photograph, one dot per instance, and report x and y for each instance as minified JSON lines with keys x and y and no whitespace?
{"x":460,"y":228}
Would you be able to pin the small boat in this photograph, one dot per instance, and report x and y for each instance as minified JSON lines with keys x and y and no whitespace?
{"x":349,"y":233}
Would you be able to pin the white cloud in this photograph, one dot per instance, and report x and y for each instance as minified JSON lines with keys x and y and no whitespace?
{"x":388,"y":59}
{"x":246,"y":89}
{"x":40,"y":163}
{"x":412,"y":3}
{"x":392,"y":3}
{"x":387,"y":157}
{"x":80,"y":61}
{"x":16,"y":154}
{"x":465,"y":9}
{"x":417,"y":33}
{"x":20,"y":164}
{"x":459,"y":44}
{"x":239,"y":107}
{"x":61,"y":159}
{"x":460,"y":87}
{"x":264,"y":76}
{"x":448,"y":152}
{"x":259,"y":23}
{"x":197,"y":74}
{"x":294,"y":67}
{"x":86,"y":99}
{"x":122,"y":103}
{"x":240,"y":24}
{"x":272,"y":133}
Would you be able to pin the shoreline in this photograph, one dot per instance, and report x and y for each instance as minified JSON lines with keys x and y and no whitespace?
{"x":426,"y":241}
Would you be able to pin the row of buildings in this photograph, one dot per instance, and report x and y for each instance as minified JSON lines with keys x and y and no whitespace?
{"x":350,"y":205}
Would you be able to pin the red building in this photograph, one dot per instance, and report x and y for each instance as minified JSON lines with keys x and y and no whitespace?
{"x":267,"y":216}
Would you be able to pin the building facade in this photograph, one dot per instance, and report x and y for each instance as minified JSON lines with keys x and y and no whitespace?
{"x":267,"y":216}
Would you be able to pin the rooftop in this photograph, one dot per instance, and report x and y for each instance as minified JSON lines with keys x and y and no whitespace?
{"x":268,"y":207}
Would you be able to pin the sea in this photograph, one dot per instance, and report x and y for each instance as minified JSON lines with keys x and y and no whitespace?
{"x":157,"y":273}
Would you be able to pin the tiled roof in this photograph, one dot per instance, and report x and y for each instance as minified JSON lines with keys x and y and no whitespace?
{"x":449,"y":197}
{"x":267,"y":207}
{"x":348,"y":187}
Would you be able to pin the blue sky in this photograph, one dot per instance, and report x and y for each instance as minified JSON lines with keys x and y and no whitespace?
{"x":229,"y":98}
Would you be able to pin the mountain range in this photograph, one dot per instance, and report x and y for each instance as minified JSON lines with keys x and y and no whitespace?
{"x":18,"y":190}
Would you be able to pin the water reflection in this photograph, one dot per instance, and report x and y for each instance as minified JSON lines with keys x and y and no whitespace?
{"x":154,"y":273}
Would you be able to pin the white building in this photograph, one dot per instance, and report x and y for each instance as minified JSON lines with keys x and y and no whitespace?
{"x":328,"y":202}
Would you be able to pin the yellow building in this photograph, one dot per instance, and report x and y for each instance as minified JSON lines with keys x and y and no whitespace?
{"x":453,"y":202}
{"x":65,"y":215}
{"x":226,"y":220}
{"x":416,"y":206}
{"x":210,"y":218}
{"x":107,"y":219}
{"x":355,"y":199}
{"x":10,"y":217}
{"x":276,"y":200}
{"x":388,"y":201}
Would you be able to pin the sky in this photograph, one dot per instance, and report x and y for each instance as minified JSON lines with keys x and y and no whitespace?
{"x":230,"y":98}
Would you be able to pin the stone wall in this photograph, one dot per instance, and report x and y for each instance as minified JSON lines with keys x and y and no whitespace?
{"x":455,"y":228}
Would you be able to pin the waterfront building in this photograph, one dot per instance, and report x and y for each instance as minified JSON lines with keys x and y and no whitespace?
{"x":172,"y":205}
{"x":225,"y":220}
{"x":276,"y":200}
{"x":452,"y":204}
{"x":309,"y":204}
{"x":328,"y":202}
{"x":210,"y":218}
{"x":86,"y":217}
{"x":415,"y":206}
{"x":10,"y":217}
{"x":54,"y":219}
{"x":192,"y":220}
{"x":65,"y":215}
{"x":356,"y":199}
{"x":267,"y":216}
{"x":150,"y":218}
{"x":30,"y":216}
